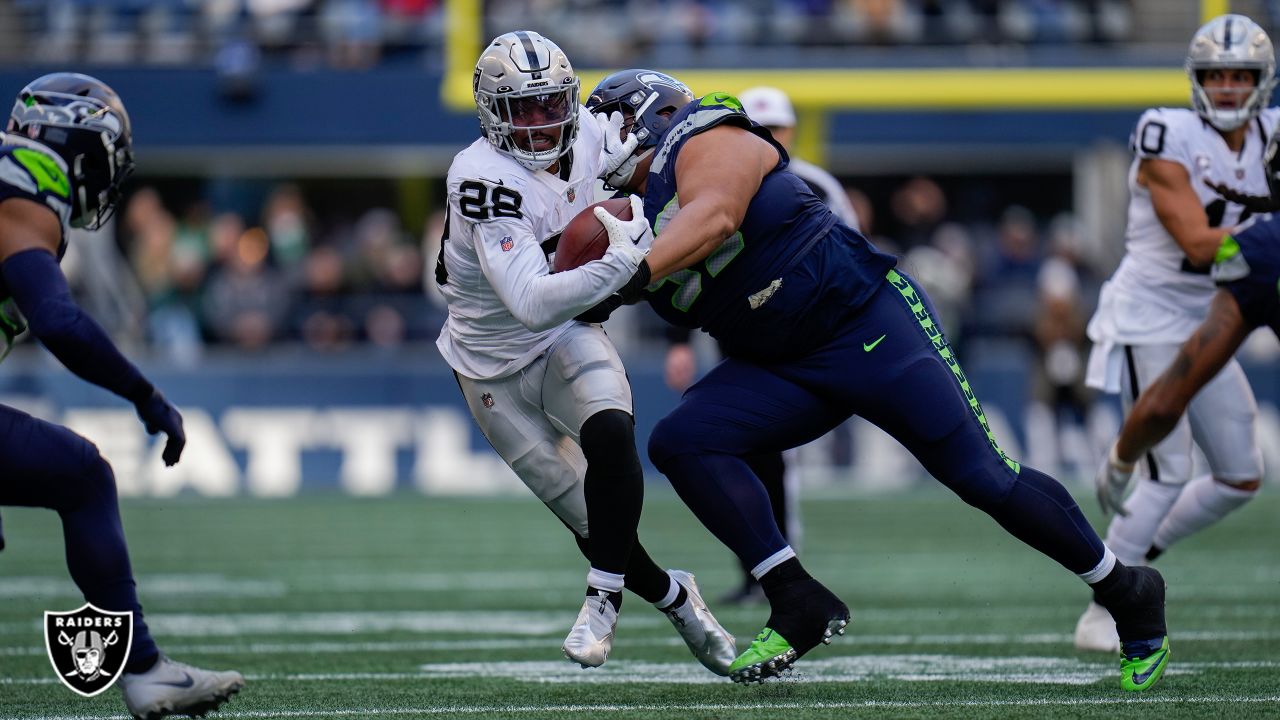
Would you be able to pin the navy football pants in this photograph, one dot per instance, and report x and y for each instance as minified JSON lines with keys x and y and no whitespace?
{"x":891,"y":365}
{"x":46,"y":465}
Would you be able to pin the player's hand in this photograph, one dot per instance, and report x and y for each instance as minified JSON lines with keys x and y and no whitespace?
{"x":1111,"y":483}
{"x":628,"y":294}
{"x":616,"y":149}
{"x":159,"y":415}
{"x":628,"y":238}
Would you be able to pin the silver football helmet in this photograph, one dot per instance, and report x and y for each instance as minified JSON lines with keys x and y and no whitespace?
{"x":1231,"y":41}
{"x":527,"y":96}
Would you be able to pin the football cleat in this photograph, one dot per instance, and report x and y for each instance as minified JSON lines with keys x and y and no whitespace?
{"x":812,"y":614}
{"x":174,"y":688}
{"x":1096,"y":630}
{"x":591,"y":638}
{"x":1143,"y":663}
{"x":714,"y":647}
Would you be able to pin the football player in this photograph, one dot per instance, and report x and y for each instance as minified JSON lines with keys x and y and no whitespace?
{"x":817,"y":325}
{"x":1189,"y":167}
{"x":550,"y":393}
{"x":64,"y":155}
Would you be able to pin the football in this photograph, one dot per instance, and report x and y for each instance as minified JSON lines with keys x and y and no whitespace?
{"x":584,"y":239}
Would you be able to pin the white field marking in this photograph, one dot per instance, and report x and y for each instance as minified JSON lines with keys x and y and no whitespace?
{"x":340,"y":648}
{"x":433,"y":581}
{"x":574,"y":710}
{"x":857,"y":668}
{"x":42,"y":586}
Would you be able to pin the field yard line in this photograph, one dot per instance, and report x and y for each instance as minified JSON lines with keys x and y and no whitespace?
{"x":498,"y":710}
{"x":549,"y":628}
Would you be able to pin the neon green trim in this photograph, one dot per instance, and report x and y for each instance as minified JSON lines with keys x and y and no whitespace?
{"x":767,"y":646}
{"x":722,"y":98}
{"x":45,"y":170}
{"x":1227,"y":250}
{"x":1141,"y":673}
{"x":944,"y":351}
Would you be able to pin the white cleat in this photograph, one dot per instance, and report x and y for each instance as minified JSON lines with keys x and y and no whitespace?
{"x":174,"y":688}
{"x":714,"y":647}
{"x":1096,"y":630}
{"x":591,"y":638}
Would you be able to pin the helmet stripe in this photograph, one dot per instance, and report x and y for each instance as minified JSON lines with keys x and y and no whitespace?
{"x":1226,"y":35}
{"x":531,"y":52}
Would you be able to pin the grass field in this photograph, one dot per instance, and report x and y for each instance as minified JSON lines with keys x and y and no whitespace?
{"x":416,"y":607}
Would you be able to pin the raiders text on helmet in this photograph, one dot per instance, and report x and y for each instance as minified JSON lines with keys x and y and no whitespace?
{"x":527,"y":97}
{"x":83,"y":121}
{"x":1231,"y":42}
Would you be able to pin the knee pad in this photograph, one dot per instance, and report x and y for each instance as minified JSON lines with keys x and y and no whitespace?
{"x":89,"y":479}
{"x":609,"y":437}
{"x":984,"y":487}
{"x":669,"y":439}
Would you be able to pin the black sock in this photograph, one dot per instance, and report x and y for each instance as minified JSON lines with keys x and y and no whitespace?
{"x":615,"y":598}
{"x":1154,"y":552}
{"x":783,"y":574}
{"x":681,"y":598}
{"x":1114,"y":585}
{"x":614,"y":489}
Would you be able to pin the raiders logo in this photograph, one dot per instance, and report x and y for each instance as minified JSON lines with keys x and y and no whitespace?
{"x":88,"y":647}
{"x":570,"y":195}
{"x":486,"y":400}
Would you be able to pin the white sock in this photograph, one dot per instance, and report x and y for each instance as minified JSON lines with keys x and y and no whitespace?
{"x":1102,"y":569}
{"x":673,"y":592}
{"x":772,"y":562}
{"x":601,"y":580}
{"x":1130,"y":537}
{"x":1203,"y":502}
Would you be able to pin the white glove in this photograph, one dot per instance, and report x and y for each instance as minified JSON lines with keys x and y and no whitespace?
{"x":1112,"y":481}
{"x":629,"y":239}
{"x":616,"y":150}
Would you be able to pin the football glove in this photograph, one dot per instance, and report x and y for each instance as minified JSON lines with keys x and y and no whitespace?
{"x":616,"y":150}
{"x":628,"y":294}
{"x":1112,"y":481}
{"x":159,"y":415}
{"x":628,"y":238}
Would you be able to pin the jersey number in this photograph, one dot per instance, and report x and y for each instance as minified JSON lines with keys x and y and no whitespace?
{"x":474,"y":201}
{"x":689,"y":281}
{"x":1151,"y":137}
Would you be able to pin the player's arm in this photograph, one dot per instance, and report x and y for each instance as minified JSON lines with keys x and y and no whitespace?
{"x":29,"y":238}
{"x":536,"y":297}
{"x":718,"y":173}
{"x":1157,"y":410}
{"x":1179,"y":210}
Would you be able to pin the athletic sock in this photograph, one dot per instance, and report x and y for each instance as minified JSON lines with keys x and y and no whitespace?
{"x":1130,"y":536}
{"x":1203,"y":502}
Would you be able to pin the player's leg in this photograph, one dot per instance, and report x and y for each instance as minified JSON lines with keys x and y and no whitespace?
{"x":1223,"y":419}
{"x":770,"y":468}
{"x":47,"y":465}
{"x":921,"y":396}
{"x":740,"y":408}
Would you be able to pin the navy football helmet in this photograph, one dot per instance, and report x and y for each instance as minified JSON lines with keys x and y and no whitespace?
{"x":647,"y":99}
{"x":85,"y":123}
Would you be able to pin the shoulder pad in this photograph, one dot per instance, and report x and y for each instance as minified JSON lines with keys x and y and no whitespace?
{"x":711,"y":110}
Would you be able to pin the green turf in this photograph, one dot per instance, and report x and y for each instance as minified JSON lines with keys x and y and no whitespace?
{"x":416,"y":607}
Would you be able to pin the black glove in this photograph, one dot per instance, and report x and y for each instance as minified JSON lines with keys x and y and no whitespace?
{"x":159,"y":415}
{"x":628,"y":294}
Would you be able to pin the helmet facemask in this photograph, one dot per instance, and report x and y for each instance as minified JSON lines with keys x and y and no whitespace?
{"x":84,"y":122}
{"x":1231,"y":42}
{"x":527,"y":98}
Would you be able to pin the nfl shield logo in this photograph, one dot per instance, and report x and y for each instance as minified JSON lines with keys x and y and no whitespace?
{"x":570,"y":195}
{"x":507,"y":243}
{"x":1239,"y":173}
{"x":88,"y":647}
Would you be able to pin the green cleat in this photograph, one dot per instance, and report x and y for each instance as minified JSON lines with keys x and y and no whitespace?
{"x":769,"y":655}
{"x":1140,"y":673}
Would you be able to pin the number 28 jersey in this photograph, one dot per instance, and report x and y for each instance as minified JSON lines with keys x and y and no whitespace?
{"x":1154,"y":268}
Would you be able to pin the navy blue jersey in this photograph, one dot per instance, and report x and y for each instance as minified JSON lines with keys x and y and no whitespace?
{"x":742,"y":293}
{"x":36,"y":174}
{"x":1248,"y":266}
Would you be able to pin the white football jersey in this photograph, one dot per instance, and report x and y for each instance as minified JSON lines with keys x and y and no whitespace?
{"x":505,"y":305}
{"x":1155,"y":296}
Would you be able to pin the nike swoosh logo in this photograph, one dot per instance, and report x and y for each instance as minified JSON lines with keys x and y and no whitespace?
{"x":1138,"y":679}
{"x":868,"y":347}
{"x":491,"y":182}
{"x":188,"y":682}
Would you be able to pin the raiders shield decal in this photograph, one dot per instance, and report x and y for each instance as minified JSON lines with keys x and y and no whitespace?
{"x":88,"y":647}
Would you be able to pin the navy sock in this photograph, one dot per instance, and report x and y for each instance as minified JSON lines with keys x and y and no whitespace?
{"x":729,"y":500}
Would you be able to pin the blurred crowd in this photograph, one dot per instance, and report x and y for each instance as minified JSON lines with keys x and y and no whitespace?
{"x":220,"y":278}
{"x":360,"y":33}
